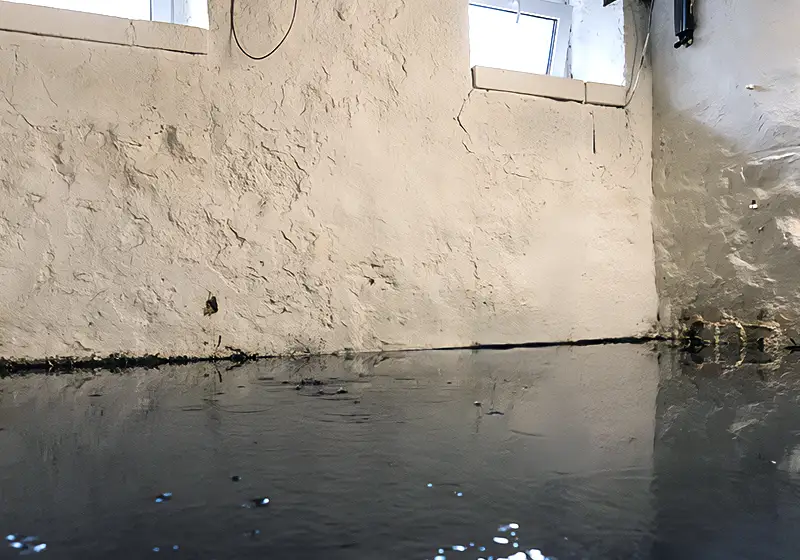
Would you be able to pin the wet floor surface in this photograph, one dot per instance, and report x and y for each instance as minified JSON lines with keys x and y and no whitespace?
{"x":598,"y":452}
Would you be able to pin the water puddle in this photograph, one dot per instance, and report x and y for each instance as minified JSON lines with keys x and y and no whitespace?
{"x":610,"y":452}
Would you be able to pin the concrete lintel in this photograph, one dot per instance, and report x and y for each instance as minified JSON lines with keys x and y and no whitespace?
{"x":553,"y":87}
{"x":68,"y":24}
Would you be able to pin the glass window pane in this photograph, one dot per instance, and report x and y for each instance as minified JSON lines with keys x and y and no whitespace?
{"x":161,"y":10}
{"x":131,"y":9}
{"x":191,"y":12}
{"x":496,"y":40}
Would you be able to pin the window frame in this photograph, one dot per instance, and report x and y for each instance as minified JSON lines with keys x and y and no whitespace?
{"x":162,"y":10}
{"x":560,"y":13}
{"x":44,"y":21}
{"x":179,"y":12}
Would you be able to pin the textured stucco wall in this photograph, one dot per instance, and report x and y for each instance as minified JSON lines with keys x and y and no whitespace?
{"x":717,"y":147}
{"x":350,"y":192}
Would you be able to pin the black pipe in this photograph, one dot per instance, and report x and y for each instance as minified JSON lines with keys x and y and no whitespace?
{"x":684,"y":23}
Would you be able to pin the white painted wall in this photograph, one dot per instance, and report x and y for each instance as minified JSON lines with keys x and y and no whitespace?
{"x":597,"y":42}
{"x":349,"y":192}
{"x":191,"y":12}
{"x":719,"y":145}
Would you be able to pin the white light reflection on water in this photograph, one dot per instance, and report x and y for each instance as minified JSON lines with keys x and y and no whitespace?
{"x":498,"y":551}
{"x":25,"y":545}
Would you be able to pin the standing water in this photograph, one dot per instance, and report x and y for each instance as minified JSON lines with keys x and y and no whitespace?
{"x":606,"y":452}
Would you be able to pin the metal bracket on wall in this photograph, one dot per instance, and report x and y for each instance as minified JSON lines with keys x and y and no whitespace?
{"x":684,"y":23}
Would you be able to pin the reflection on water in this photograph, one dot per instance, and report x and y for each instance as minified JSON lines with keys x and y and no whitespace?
{"x":599,"y":452}
{"x":25,"y":545}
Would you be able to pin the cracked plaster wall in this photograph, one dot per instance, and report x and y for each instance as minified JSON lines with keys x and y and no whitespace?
{"x":350,"y":192}
{"x":719,"y":146}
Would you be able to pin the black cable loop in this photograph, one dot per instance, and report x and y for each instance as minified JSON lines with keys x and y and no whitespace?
{"x":270,"y":53}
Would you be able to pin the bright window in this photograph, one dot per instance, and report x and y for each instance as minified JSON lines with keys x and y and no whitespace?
{"x":184,"y":12}
{"x":522,"y":35}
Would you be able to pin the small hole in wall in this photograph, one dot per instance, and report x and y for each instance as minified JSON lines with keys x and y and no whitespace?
{"x":211,"y":306}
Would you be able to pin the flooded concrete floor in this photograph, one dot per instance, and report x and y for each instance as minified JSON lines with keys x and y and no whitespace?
{"x":631,"y":452}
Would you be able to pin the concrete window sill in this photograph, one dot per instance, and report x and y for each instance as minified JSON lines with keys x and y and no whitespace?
{"x":553,"y":87}
{"x":66,"y":24}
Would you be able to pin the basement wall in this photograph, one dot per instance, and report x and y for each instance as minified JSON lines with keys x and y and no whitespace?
{"x":727,"y":170}
{"x":353,"y":191}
